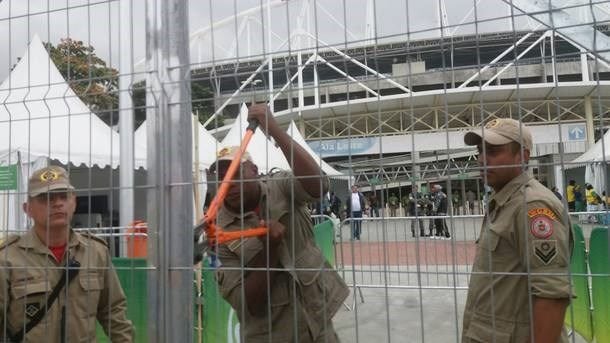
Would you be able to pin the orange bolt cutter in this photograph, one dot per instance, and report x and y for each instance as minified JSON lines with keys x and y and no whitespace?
{"x":208,"y":234}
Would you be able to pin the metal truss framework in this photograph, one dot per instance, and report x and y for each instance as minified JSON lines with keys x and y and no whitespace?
{"x":440,"y":118}
{"x":452,"y":168}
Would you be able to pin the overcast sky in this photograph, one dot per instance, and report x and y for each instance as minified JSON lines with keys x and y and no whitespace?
{"x":98,"y":24}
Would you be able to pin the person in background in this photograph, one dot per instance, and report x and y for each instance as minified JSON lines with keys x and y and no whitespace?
{"x":257,"y":275}
{"x":355,"y":207}
{"x":520,"y":285}
{"x":472,"y":198}
{"x":555,"y":191}
{"x":579,"y":203}
{"x":570,"y":198}
{"x":374,"y":205}
{"x":605,"y":200}
{"x":441,"y":206}
{"x":51,"y":256}
{"x":593,"y":202}
{"x":393,"y":204}
{"x":456,"y":201}
{"x":414,"y":206}
{"x":335,"y":204}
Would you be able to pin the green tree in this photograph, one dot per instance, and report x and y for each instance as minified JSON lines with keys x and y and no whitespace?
{"x":95,"y":83}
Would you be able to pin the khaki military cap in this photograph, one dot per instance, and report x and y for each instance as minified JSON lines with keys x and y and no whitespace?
{"x":48,"y":179}
{"x":229,"y":153}
{"x":500,"y":132}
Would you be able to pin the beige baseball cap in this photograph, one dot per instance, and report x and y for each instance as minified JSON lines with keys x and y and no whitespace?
{"x":500,"y":132}
{"x":229,"y":153}
{"x":48,"y":179}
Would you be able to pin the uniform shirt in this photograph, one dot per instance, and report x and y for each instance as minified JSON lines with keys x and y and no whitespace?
{"x":28,"y":274}
{"x":307,"y":293}
{"x":570,"y":194}
{"x":525,"y":230}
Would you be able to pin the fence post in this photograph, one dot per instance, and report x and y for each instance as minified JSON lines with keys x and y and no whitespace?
{"x":170,"y":203}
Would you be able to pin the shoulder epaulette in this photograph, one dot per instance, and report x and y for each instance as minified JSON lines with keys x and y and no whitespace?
{"x":11,"y":239}
{"x":95,"y":238}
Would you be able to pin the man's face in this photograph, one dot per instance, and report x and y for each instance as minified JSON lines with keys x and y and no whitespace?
{"x":52,"y":210}
{"x":244,"y":186}
{"x":354,"y":189}
{"x":500,"y":163}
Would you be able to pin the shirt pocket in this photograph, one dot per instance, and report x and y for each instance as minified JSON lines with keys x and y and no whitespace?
{"x":90,"y":285}
{"x":28,"y":298}
{"x":308,"y":268}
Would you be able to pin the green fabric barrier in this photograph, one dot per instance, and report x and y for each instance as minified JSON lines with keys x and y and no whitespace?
{"x":220,"y":322}
{"x":581,"y":306}
{"x":599,"y":263}
{"x":324,"y":237}
{"x":132,"y":274}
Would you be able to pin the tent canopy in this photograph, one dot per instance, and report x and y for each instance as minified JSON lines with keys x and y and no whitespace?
{"x":599,"y":152}
{"x":208,"y":145}
{"x":41,"y":116}
{"x":265,"y":154}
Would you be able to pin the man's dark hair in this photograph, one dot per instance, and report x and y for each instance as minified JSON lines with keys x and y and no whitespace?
{"x":572,"y":182}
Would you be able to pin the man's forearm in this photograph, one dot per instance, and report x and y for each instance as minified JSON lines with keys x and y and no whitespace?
{"x":548,"y":319}
{"x":258,"y":282}
{"x":302,"y":163}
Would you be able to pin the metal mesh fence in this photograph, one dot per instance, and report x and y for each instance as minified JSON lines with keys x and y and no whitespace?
{"x":425,"y":171}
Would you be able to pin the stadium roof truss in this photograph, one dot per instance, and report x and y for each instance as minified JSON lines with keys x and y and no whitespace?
{"x":479,"y":97}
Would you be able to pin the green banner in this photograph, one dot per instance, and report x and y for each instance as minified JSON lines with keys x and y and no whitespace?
{"x":599,"y":262}
{"x":8,"y":177}
{"x":324,"y":236}
{"x":132,"y":275}
{"x":581,"y":322}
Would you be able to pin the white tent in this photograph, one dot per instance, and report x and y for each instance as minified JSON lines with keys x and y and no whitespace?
{"x":41,"y":118}
{"x":265,"y":154}
{"x":596,"y":161}
{"x":294,"y":132}
{"x":208,"y":145}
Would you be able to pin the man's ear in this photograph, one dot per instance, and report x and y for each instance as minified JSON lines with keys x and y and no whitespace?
{"x":26,"y":208}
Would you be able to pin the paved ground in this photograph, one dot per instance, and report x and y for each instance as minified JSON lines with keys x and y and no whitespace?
{"x":409,"y":289}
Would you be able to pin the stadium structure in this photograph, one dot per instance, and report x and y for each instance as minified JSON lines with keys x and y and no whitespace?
{"x":392,"y":109}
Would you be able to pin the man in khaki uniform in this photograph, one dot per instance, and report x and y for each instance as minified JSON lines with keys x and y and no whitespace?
{"x":32,"y":265}
{"x":520,"y":287}
{"x":280,"y":285}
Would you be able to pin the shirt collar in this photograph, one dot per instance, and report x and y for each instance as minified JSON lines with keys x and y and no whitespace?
{"x":30,"y":240}
{"x":501,"y":197}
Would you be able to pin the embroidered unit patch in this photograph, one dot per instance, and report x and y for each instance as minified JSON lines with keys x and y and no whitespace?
{"x":541,"y":227}
{"x":545,"y":250}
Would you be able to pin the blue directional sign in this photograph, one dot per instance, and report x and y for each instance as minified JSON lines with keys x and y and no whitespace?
{"x":576,"y":133}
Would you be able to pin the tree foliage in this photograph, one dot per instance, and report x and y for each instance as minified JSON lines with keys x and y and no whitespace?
{"x":95,"y":83}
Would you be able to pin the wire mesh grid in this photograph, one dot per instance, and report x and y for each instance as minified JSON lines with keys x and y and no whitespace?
{"x":138,"y":100}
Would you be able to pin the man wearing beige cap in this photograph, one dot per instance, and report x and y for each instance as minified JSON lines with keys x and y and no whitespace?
{"x":54,"y":282}
{"x":520,"y":284}
{"x":280,"y":285}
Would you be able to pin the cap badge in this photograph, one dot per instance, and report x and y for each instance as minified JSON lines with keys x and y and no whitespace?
{"x":49,"y":176}
{"x":492,"y":124}
{"x":224,"y":152}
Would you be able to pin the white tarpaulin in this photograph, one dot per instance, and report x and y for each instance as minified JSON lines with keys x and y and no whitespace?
{"x":41,"y":116}
{"x":208,"y":145}
{"x":596,"y":161}
{"x":294,"y":132}
{"x":42,"y":119}
{"x":265,"y":154}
